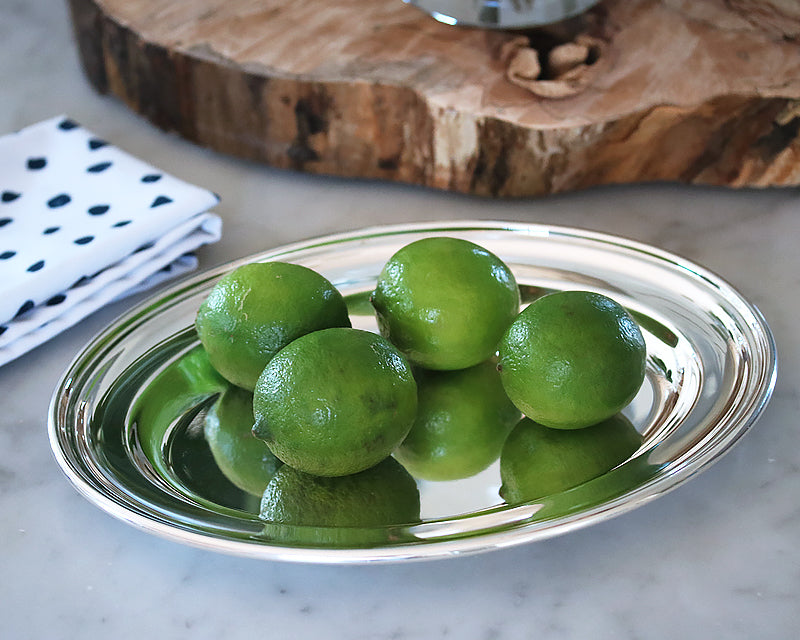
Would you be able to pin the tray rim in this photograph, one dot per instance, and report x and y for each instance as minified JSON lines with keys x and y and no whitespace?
{"x":421,"y":550}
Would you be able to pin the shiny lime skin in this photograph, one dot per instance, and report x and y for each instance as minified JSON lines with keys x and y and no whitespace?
{"x":572,"y":359}
{"x":463,"y":418}
{"x":335,"y":402}
{"x":259,"y":308}
{"x":538,"y":461}
{"x":445,"y":302}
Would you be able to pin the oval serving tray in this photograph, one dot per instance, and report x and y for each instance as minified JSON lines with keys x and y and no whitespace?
{"x":123,"y":418}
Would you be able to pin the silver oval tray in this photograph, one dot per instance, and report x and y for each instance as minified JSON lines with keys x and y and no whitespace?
{"x":121,"y":419}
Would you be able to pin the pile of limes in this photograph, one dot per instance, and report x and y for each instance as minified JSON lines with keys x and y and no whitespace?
{"x":456,"y":377}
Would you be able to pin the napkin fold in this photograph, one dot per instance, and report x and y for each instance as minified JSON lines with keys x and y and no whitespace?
{"x":83,"y":223}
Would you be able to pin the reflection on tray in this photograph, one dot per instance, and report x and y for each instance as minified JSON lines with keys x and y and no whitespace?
{"x":195,"y":431}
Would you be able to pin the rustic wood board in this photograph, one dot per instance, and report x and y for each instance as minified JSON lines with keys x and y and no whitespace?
{"x":699,"y":91}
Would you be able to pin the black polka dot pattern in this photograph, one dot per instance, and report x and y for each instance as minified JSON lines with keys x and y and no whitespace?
{"x":26,"y":306}
{"x":97,"y":143}
{"x":99,"y":167}
{"x":144,"y":247}
{"x":59,"y":201}
{"x":73,"y":210}
{"x":160,"y":200}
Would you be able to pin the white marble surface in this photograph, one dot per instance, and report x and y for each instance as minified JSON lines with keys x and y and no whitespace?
{"x":716,"y":558}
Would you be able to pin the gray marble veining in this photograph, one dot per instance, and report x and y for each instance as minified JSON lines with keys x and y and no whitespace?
{"x":717,"y":558}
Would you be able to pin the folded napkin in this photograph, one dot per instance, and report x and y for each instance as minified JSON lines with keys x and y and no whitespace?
{"x":83,"y":223}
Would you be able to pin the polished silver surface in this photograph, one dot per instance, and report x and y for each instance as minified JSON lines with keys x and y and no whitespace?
{"x":710,"y":372}
{"x":502,"y":14}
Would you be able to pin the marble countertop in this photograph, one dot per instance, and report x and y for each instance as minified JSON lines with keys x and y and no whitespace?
{"x":716,"y":558}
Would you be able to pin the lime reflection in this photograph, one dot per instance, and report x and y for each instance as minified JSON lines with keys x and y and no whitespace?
{"x":362,"y":509}
{"x":538,"y":461}
{"x":244,"y":459}
{"x":169,"y":419}
{"x":463,"y":419}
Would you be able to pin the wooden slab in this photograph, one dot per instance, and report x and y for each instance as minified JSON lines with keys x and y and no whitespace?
{"x":700,"y":91}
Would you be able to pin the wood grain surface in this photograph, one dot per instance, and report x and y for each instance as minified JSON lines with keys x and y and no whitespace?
{"x":703,"y":91}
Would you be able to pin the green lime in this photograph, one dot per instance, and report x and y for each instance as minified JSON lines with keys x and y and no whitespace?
{"x":335,"y":402}
{"x":259,"y":308}
{"x":380,"y":496}
{"x":445,"y":302}
{"x":572,"y":359}
{"x":463,"y":418}
{"x":538,"y":461}
{"x":244,"y":459}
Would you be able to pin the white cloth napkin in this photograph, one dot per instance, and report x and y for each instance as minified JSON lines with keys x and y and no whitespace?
{"x":83,"y":223}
